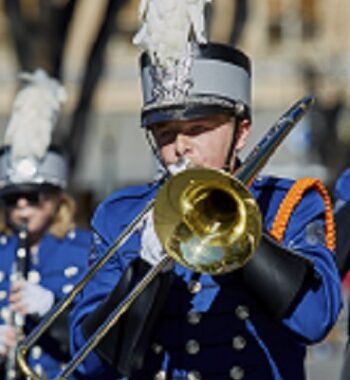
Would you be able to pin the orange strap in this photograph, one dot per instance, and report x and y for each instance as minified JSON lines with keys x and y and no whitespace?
{"x":291,"y":200}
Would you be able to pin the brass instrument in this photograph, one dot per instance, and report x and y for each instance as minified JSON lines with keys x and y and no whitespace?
{"x":16,"y":320}
{"x":207,"y":220}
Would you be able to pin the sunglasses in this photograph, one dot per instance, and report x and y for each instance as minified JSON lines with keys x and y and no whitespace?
{"x":34,"y":198}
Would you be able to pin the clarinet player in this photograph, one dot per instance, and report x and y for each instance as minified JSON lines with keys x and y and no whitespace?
{"x":33,"y":193}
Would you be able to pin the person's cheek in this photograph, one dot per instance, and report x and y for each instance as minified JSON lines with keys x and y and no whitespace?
{"x":206,"y":152}
{"x":168,"y":154}
{"x":34,"y":222}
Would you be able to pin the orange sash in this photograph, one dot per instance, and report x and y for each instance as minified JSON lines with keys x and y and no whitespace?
{"x":292,"y":199}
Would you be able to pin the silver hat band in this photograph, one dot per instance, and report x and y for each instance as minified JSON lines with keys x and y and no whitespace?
{"x":50,"y":170}
{"x":209,"y":78}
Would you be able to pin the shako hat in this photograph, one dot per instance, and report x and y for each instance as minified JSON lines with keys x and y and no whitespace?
{"x":183,"y":76}
{"x":27,"y":159}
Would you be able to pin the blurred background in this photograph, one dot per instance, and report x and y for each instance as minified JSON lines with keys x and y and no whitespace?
{"x":298,"y":47}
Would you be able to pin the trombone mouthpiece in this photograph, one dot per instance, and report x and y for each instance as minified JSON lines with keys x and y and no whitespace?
{"x":182,"y":164}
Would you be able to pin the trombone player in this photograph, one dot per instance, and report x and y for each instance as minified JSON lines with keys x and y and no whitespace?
{"x":252,"y":323}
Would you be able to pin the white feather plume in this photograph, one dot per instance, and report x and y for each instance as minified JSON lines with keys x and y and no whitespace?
{"x":34,"y":115}
{"x":167,"y":26}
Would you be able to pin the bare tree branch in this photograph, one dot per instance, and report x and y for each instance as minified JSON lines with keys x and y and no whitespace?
{"x":93,"y":70}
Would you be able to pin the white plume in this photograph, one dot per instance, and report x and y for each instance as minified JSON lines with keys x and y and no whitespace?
{"x":34,"y":115}
{"x":167,"y":26}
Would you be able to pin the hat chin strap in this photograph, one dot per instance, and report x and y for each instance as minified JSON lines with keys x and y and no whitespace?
{"x":231,"y":151}
{"x":156,"y":153}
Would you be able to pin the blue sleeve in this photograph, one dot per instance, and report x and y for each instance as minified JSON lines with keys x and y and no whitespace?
{"x":319,"y":308}
{"x":110,"y":219}
{"x":342,"y":186}
{"x":86,"y":302}
{"x":93,"y":294}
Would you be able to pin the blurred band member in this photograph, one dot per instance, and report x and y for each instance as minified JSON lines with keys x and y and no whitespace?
{"x":342,"y":219}
{"x":36,"y":215}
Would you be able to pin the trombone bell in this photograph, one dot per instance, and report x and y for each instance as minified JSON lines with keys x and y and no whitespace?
{"x":207,"y":221}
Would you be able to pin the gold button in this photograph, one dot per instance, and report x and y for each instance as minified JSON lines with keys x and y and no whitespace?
{"x":237,"y":373}
{"x":242,"y":312}
{"x":67,"y":288}
{"x":194,"y":286}
{"x":3,"y":295}
{"x":3,"y":240}
{"x":38,"y":369}
{"x":63,"y":366}
{"x":21,"y":253}
{"x":193,"y":317}
{"x":239,"y":342}
{"x":160,"y":375}
{"x":72,"y":234}
{"x":71,"y":271}
{"x":36,"y":352}
{"x":192,"y":347}
{"x":157,"y":348}
{"x":194,"y":375}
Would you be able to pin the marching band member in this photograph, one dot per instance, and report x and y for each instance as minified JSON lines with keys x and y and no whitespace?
{"x":342,"y":219}
{"x":33,"y":194}
{"x":253,"y":323}
{"x":342,"y":215}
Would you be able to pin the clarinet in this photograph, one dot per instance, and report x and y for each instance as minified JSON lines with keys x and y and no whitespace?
{"x":18,"y":273}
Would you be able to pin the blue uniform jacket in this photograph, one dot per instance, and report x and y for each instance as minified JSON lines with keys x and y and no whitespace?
{"x":59,"y":265}
{"x":342,"y":189}
{"x":342,"y":196}
{"x":211,"y":327}
{"x":342,"y":199}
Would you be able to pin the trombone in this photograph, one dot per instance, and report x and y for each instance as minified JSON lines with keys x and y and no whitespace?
{"x":215,"y":229}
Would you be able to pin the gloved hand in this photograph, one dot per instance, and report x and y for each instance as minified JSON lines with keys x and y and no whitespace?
{"x":27,"y":298}
{"x":151,"y":248}
{"x":7,"y":339}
